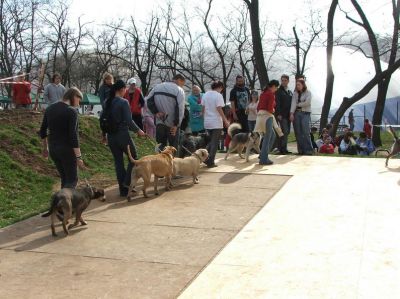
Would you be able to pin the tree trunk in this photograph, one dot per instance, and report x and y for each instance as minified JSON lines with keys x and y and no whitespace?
{"x":257,"y":43}
{"x":330,"y":77}
{"x":378,"y":111}
{"x":297,"y":46}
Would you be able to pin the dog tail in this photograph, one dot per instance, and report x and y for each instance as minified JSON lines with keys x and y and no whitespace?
{"x":234,"y":129}
{"x":393,"y":133}
{"x":53,"y":206}
{"x":130,"y":154}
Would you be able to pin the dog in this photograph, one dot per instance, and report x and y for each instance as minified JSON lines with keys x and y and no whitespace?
{"x":239,"y":141}
{"x":190,"y":166}
{"x":160,"y":165}
{"x":395,"y":150}
{"x":68,"y":201}
{"x":193,"y":143}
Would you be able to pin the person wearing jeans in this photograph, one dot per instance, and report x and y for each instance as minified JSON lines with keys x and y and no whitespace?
{"x":300,"y":115}
{"x":265,"y":120}
{"x":214,"y":119}
{"x":283,"y":105}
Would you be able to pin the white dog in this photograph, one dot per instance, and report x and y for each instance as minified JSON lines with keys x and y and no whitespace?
{"x":190,"y":166}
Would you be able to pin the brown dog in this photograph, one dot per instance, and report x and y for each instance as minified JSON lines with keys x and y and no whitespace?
{"x":161,"y":165}
{"x":68,"y":201}
{"x":190,"y":165}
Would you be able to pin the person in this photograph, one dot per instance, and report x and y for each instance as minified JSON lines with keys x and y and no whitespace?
{"x":196,"y":119}
{"x":252,"y":110}
{"x":239,"y":98}
{"x":367,"y":128}
{"x":300,"y":115}
{"x":265,"y":120}
{"x":148,"y":122}
{"x":119,"y":140}
{"x":348,"y":146}
{"x":60,"y":134}
{"x":136,"y":101}
{"x":54,"y":91}
{"x":169,"y":99}
{"x":313,"y":131}
{"x":283,"y":103}
{"x":104,"y":90}
{"x":327,"y":147}
{"x":21,"y":91}
{"x":365,"y":144}
{"x":351,"y":120}
{"x":214,"y":119}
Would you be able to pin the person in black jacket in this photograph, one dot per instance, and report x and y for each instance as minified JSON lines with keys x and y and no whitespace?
{"x":119,"y":140}
{"x":282,"y":112}
{"x":59,"y":132}
{"x":240,"y":98}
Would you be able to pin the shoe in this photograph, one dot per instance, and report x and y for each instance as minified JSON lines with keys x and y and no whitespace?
{"x":177,"y":177}
{"x":269,"y":162}
{"x":212,"y":166}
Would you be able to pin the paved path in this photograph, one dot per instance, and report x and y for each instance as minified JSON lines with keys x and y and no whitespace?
{"x":330,"y":231}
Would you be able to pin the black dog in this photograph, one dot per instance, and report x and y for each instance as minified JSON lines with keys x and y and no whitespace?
{"x":191,"y":143}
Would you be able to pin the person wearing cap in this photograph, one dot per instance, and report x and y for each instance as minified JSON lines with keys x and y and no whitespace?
{"x":136,"y":101}
{"x":252,"y":110}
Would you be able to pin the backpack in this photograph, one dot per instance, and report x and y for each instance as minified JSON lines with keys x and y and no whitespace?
{"x":107,"y":123}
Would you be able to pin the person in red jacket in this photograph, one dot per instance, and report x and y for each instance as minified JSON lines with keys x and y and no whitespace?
{"x":136,"y":101}
{"x":367,"y":128}
{"x":21,"y":92}
{"x":327,"y":147}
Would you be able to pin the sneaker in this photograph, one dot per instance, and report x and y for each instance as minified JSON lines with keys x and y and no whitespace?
{"x":212,"y":166}
{"x":269,"y":162}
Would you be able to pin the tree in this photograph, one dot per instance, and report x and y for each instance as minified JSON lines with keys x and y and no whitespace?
{"x":259,"y":59}
{"x":330,"y":77}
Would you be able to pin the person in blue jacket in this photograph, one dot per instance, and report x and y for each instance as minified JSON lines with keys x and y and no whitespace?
{"x":366,"y":147}
{"x":196,"y":115}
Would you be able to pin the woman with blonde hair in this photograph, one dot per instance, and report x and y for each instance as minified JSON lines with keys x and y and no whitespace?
{"x":105,"y":88}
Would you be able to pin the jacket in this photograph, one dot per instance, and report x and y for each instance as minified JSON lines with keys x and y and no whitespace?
{"x":283,"y":102}
{"x":196,"y":118}
{"x":21,"y":93}
{"x":136,"y":101}
{"x":303,"y":104}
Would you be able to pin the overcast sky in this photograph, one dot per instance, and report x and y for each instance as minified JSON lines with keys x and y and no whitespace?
{"x":284,"y":12}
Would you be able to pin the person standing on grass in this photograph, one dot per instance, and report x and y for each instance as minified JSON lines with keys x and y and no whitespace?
{"x":239,"y":98}
{"x":196,"y":118}
{"x":252,"y":110}
{"x":54,"y":91}
{"x":21,"y":91}
{"x":351,"y":120}
{"x":136,"y":102}
{"x":119,"y":140}
{"x":265,"y":120}
{"x":104,"y":90}
{"x":300,"y":115}
{"x":214,"y":118}
{"x":60,"y":134}
{"x":283,"y":104}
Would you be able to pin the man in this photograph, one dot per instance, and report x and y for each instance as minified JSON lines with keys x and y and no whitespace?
{"x":136,"y":101}
{"x":351,"y":120}
{"x":21,"y":92}
{"x":169,"y":99}
{"x":54,"y":91}
{"x":239,"y":98}
{"x":282,"y":112}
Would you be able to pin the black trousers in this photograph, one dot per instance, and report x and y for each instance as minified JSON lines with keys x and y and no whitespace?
{"x":212,"y":147}
{"x":163,"y":136}
{"x":118,"y":144}
{"x":65,"y":160}
{"x":137,"y":118}
{"x":242,"y":119}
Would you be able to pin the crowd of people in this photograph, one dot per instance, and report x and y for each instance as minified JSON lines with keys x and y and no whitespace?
{"x":165,"y":114}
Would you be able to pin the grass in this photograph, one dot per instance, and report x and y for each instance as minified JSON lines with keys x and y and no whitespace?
{"x":27,"y":179}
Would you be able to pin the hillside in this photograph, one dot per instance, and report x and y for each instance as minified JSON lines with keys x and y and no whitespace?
{"x":27,"y":179}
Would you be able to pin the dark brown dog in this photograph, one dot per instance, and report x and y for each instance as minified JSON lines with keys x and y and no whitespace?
{"x":68,"y":201}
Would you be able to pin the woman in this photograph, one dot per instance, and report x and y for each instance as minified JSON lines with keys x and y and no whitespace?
{"x":214,"y":118}
{"x":252,"y":110}
{"x":196,"y":118}
{"x":300,"y":115}
{"x":265,"y":120}
{"x":21,"y":91}
{"x":104,"y":90}
{"x":60,"y":127}
{"x":119,"y":140}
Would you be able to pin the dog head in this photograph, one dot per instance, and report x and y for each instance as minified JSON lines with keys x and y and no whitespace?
{"x":202,"y":154}
{"x":94,"y":192}
{"x":169,"y":150}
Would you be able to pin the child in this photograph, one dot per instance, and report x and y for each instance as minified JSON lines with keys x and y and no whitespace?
{"x":148,"y":122}
{"x":327,"y":147}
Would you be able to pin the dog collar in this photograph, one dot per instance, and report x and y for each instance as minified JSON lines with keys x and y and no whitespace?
{"x":197,"y":156}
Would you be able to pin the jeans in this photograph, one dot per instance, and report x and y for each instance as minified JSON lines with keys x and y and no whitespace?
{"x":163,"y":136}
{"x":267,"y":141}
{"x":283,"y":141}
{"x":65,"y":160}
{"x":252,"y":125}
{"x":118,"y":144}
{"x":301,"y":126}
{"x":215,"y":135}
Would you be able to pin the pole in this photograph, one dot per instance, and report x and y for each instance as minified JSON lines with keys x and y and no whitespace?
{"x":397,"y":111}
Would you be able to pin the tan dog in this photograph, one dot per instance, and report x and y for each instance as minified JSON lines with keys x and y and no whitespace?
{"x":190,"y":166}
{"x":160,"y":165}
